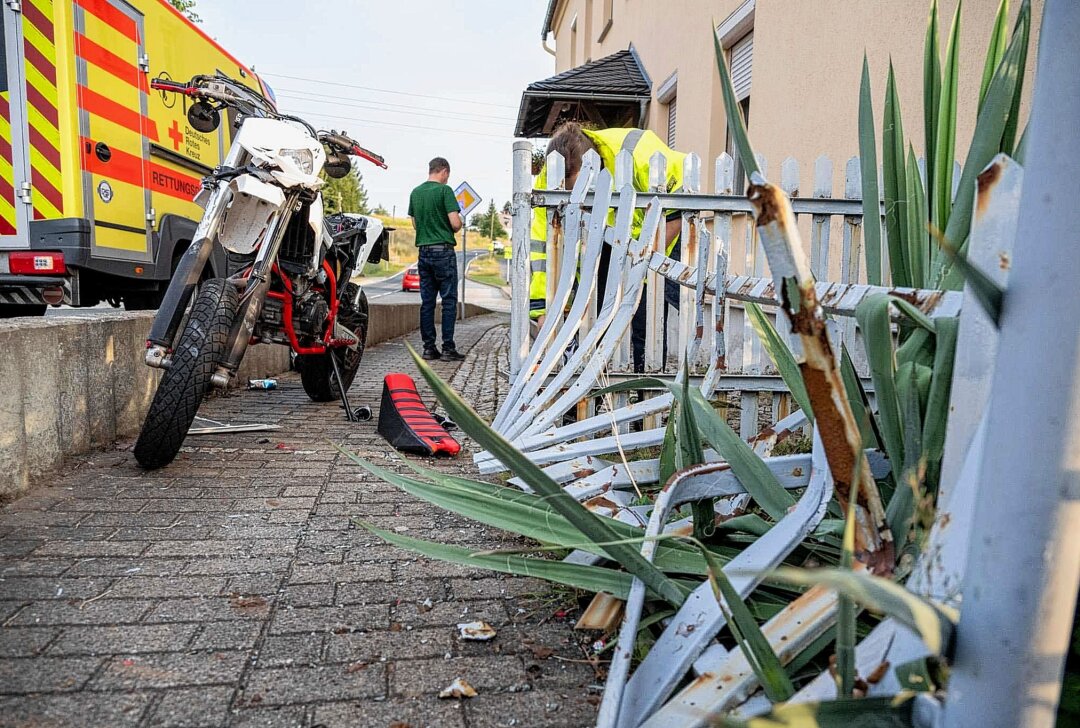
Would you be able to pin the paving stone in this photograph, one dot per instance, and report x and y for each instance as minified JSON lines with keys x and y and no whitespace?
{"x":25,"y":641}
{"x":300,"y":684}
{"x":205,"y":609}
{"x":241,"y":565}
{"x":45,"y":674}
{"x":173,"y":586}
{"x":141,"y":565}
{"x":359,"y":572}
{"x":131,"y":639}
{"x":429,"y":712}
{"x":192,"y":708}
{"x":52,"y":588}
{"x":452,"y":612}
{"x":136,"y":672}
{"x":309,"y":595}
{"x":277,"y":717}
{"x":283,"y":650}
{"x":100,"y":611}
{"x":536,"y":709}
{"x":428,"y":676}
{"x":86,"y":710}
{"x":227,"y":636}
{"x":91,"y":548}
{"x":328,"y":619}
{"x":28,"y":566}
{"x":392,"y":592}
{"x":403,"y":643}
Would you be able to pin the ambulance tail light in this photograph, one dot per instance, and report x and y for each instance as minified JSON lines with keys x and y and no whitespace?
{"x":36,"y":263}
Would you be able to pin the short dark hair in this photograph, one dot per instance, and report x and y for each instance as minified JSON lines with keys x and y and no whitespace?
{"x":570,"y":141}
{"x":437,"y":165}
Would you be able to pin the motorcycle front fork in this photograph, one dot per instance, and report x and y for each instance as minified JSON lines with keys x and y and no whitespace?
{"x":253,"y":294}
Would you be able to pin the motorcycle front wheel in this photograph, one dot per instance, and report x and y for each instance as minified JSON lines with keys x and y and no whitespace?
{"x":316,"y":372}
{"x":198,"y":352}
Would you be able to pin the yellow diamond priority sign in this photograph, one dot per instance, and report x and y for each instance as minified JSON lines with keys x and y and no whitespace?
{"x":466,"y":197}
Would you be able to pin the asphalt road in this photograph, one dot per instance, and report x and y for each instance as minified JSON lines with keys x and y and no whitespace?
{"x":389,"y":290}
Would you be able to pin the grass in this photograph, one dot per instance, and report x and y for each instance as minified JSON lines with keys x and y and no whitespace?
{"x":486,"y":270}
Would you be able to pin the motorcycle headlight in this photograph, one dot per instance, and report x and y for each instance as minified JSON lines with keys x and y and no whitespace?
{"x":302,"y":158}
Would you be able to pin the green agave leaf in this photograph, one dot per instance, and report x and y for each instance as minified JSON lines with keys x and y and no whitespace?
{"x":1022,"y":33}
{"x":748,"y":467}
{"x":873,"y":317}
{"x":999,"y":39}
{"x":579,"y":576}
{"x":917,"y":349}
{"x":781,"y":357}
{"x":937,"y":403}
{"x":987,"y":292}
{"x":918,"y":237}
{"x":667,"y":450}
{"x":917,"y":317}
{"x":592,"y":527}
{"x":870,"y":195}
{"x":924,"y":675}
{"x":931,"y":88}
{"x":985,"y":143}
{"x":859,"y":400}
{"x":1021,"y":147}
{"x":531,"y":515}
{"x":756,"y":648}
{"x":901,"y":507}
{"x":934,"y":623}
{"x":894,"y":712}
{"x":689,"y":453}
{"x":736,"y":124}
{"x":895,"y":177}
{"x":944,"y":152}
{"x":750,"y":523}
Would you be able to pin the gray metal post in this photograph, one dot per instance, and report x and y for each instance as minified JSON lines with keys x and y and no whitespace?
{"x":521,"y":210}
{"x":1020,"y":588}
{"x":464,"y":268}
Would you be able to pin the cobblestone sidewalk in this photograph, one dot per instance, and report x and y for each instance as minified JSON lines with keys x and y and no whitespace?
{"x":231,"y":589}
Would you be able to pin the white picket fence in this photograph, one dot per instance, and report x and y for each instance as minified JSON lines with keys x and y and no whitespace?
{"x":719,"y":242}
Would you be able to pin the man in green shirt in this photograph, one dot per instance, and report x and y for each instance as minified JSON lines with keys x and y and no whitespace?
{"x":436,"y":217}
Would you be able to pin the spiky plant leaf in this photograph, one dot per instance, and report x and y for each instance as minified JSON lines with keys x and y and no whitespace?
{"x":940,"y":184}
{"x":873,"y":317}
{"x":931,"y":89}
{"x":744,"y":628}
{"x":591,"y":526}
{"x":870,"y":194}
{"x":934,"y":623}
{"x":937,"y":403}
{"x":995,"y":51}
{"x":895,"y":177}
{"x":987,"y":292}
{"x":781,"y":357}
{"x":668,"y":465}
{"x":1022,"y":34}
{"x":917,"y":236}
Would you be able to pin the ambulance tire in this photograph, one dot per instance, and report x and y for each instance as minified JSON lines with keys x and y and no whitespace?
{"x":198,"y":352}
{"x":316,"y":372}
{"x":12,"y":310}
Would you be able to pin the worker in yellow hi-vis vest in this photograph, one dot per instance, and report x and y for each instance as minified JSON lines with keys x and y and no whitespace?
{"x":572,"y":142}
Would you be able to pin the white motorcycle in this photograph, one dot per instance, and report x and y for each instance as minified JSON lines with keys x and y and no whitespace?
{"x":263,"y":206}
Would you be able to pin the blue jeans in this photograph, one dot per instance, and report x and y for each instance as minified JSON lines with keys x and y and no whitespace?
{"x":438,"y":276}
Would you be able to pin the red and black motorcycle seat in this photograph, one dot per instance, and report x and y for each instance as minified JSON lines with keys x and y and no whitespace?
{"x":407,"y":424}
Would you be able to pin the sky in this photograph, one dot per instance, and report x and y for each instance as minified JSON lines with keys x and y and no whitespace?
{"x":438,"y":77}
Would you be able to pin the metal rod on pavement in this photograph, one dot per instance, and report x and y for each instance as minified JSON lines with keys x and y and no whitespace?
{"x":519,"y":257}
{"x":1019,"y":592}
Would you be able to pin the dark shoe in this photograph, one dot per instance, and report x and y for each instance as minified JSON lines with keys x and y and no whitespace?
{"x":431,"y":354}
{"x":452,"y":355}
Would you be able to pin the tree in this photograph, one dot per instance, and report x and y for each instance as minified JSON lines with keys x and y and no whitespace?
{"x":380,"y":210}
{"x":346,"y":194}
{"x":487,"y":223}
{"x":187,"y":7}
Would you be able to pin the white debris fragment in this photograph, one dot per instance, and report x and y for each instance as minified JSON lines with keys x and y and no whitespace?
{"x":458,"y":689}
{"x":476,"y":631}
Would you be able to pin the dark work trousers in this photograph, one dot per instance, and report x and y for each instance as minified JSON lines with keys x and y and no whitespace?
{"x":438,"y":269}
{"x":637,"y":324}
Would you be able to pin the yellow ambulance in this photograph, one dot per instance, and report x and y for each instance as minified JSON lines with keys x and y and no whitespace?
{"x":97,"y":171}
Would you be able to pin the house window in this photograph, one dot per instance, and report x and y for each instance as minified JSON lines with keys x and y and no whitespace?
{"x":667,"y":95}
{"x":736,"y":35}
{"x":671,"y":122}
{"x":742,"y":63}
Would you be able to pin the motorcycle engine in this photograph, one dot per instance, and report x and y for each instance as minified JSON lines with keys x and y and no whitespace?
{"x":309,"y":315}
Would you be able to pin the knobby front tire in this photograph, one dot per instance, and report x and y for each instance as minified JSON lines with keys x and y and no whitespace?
{"x":198,"y":352}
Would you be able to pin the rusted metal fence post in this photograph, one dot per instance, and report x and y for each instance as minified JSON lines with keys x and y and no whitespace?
{"x":1021,"y":583}
{"x":519,"y":260}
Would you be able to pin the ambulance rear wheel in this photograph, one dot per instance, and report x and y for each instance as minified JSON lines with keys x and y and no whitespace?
{"x":12,"y":310}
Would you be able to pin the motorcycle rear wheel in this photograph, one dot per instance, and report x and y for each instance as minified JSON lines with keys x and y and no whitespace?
{"x":198,"y":352}
{"x":316,"y":372}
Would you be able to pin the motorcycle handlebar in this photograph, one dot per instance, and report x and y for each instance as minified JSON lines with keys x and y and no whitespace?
{"x":349,"y":146}
{"x":372,"y":157}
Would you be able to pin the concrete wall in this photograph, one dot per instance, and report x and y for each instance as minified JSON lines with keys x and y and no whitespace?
{"x":72,"y":385}
{"x":807,"y":65}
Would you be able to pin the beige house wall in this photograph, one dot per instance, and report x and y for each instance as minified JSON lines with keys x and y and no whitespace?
{"x":806,"y":67}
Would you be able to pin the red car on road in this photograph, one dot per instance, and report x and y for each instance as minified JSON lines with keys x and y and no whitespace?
{"x":411,"y":280}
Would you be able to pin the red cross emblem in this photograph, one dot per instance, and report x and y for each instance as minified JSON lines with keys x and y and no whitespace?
{"x":176,"y":135}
